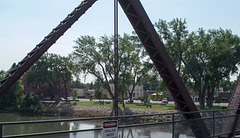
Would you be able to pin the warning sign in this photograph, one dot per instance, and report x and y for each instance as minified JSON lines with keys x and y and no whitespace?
{"x":110,"y":129}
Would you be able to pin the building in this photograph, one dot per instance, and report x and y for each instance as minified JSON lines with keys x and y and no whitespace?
{"x":43,"y":90}
{"x":137,"y":92}
{"x":158,"y":96}
{"x":222,"y":97}
{"x":85,"y":93}
{"x":149,"y":92}
{"x":89,"y":93}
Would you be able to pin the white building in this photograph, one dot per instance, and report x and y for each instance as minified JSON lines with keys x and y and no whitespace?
{"x":137,"y":92}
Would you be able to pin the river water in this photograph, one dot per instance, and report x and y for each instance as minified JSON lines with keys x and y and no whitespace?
{"x":156,"y":131}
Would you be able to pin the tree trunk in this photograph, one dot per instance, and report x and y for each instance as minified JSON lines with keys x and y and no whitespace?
{"x":113,"y":109}
{"x":123,"y":104}
{"x":56,"y":96}
{"x":201,"y":95}
{"x":131,"y":97}
{"x":211,"y":95}
{"x":65,"y":92}
{"x":55,"y":93}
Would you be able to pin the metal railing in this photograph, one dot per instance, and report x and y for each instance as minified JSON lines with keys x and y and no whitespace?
{"x":213,"y":120}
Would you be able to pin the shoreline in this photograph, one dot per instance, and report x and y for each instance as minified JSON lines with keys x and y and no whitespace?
{"x":93,"y":111}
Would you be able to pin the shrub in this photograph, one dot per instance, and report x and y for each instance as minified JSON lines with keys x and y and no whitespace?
{"x":28,"y":102}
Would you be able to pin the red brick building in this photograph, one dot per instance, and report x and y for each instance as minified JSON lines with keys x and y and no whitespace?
{"x":43,"y":91}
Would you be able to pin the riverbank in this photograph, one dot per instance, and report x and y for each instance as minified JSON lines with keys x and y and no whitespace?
{"x":92,"y":111}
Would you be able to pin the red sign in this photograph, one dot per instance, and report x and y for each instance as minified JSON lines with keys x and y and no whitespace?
{"x":110,"y":124}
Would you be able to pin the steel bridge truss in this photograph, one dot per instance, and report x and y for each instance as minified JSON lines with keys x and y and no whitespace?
{"x":230,"y":124}
{"x":149,"y":38}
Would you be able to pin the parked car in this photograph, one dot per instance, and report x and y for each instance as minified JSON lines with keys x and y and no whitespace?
{"x":62,"y":99}
{"x":165,"y":101}
{"x":46,"y":98}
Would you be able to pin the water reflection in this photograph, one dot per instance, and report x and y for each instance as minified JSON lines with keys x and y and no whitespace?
{"x":155,"y":131}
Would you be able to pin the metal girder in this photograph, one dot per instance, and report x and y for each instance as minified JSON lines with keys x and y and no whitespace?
{"x":229,"y":124}
{"x":157,"y":52}
{"x":43,"y":46}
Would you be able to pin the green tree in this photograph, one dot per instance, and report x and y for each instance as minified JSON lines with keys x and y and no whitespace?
{"x":47,"y":71}
{"x":202,"y":58}
{"x":2,"y":74}
{"x":98,"y":90}
{"x":28,"y":102}
{"x":174,"y":35}
{"x":222,"y":58}
{"x":211,"y":58}
{"x":227,"y":85}
{"x":96,"y":58}
{"x":75,"y":95}
{"x":65,"y":68}
{"x":77,"y":84}
{"x":196,"y":63}
{"x":133,"y":65}
{"x":8,"y":100}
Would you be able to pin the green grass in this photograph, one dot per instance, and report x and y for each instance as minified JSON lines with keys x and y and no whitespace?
{"x":142,"y":105}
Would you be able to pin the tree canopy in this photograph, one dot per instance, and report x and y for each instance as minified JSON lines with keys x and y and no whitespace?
{"x":48,"y":70}
{"x":8,"y":101}
{"x":96,"y":58}
{"x":203,"y":58}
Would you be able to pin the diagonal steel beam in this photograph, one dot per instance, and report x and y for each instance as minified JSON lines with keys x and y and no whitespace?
{"x":157,"y":52}
{"x":229,"y":124}
{"x":43,"y":46}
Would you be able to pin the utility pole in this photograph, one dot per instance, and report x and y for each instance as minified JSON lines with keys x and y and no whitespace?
{"x":116,"y":55}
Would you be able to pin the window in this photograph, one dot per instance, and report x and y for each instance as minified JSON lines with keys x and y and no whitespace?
{"x":133,"y":94}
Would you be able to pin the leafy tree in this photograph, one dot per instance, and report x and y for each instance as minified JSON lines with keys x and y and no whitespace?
{"x":211,"y":58}
{"x":28,"y":102}
{"x":65,"y":68}
{"x":98,"y":90}
{"x":75,"y":95}
{"x":222,"y":58}
{"x":227,"y":85}
{"x":174,"y":35}
{"x":2,"y":74}
{"x":202,"y":58}
{"x":8,"y":100}
{"x":196,"y":63}
{"x":96,"y":58}
{"x":78,"y":84}
{"x":47,"y":71}
{"x":133,"y":67}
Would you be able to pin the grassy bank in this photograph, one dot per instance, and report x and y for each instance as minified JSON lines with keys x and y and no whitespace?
{"x":140,"y":105}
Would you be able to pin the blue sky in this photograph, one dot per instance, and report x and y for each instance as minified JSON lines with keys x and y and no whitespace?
{"x":24,"y":23}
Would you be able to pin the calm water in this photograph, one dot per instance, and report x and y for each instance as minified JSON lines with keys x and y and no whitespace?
{"x":157,"y":131}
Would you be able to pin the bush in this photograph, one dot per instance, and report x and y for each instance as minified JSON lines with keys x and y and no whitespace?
{"x":9,"y":98}
{"x":28,"y":103}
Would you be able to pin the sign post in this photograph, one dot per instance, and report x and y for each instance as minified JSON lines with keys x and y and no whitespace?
{"x":110,"y":129}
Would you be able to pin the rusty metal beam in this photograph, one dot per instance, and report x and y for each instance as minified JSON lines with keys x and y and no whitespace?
{"x":229,"y":124}
{"x":157,"y":52}
{"x":43,"y":46}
